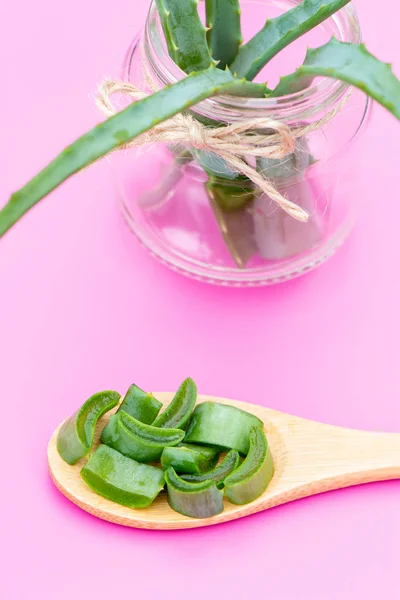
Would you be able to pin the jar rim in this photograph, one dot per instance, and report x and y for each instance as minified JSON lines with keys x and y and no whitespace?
{"x":323,"y":94}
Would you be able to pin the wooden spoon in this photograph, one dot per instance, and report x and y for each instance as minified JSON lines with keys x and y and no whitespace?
{"x":309,"y":458}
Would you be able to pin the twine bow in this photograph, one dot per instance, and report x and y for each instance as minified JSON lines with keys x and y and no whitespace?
{"x":234,"y":143}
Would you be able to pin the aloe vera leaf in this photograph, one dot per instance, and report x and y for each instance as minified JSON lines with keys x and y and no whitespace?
{"x":351,"y":63}
{"x":116,"y":131}
{"x":236,"y":227}
{"x":289,"y":169}
{"x":249,"y":89}
{"x":231,"y":196}
{"x":281,"y":31}
{"x":214,"y":165}
{"x":164,"y":19}
{"x":224,"y":35}
{"x":185,"y":34}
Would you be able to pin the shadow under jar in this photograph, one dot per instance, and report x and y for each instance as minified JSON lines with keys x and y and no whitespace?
{"x":199,"y":217}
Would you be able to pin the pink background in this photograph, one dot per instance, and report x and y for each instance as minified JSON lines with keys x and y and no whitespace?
{"x":84,"y":307}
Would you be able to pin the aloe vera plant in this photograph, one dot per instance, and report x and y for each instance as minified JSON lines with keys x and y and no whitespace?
{"x":215,"y":63}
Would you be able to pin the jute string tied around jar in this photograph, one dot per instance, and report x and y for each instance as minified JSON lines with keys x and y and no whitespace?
{"x":233,"y":143}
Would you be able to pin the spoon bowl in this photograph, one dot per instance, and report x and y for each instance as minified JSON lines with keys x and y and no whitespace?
{"x":309,"y":458}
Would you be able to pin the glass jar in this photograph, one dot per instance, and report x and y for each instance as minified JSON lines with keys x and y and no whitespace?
{"x":200,"y":218}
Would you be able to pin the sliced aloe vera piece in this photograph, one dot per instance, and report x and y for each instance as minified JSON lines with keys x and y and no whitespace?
{"x":251,"y":479}
{"x":178,"y":413}
{"x":137,"y":440}
{"x":221,"y":425}
{"x":199,"y":500}
{"x":122,"y":479}
{"x":220,"y":473}
{"x":189,"y":458}
{"x":75,"y":438}
{"x":140,"y":404}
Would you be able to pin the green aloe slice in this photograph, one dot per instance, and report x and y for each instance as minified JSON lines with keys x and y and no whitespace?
{"x":219,"y":473}
{"x":137,"y":440}
{"x":122,"y":479}
{"x":215,"y":424}
{"x":140,"y":404}
{"x":198,"y":500}
{"x":75,"y":438}
{"x":251,"y":479}
{"x":178,"y":412}
{"x":189,"y":458}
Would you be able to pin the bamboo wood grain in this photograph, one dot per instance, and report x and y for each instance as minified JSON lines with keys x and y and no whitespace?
{"x":309,"y":458}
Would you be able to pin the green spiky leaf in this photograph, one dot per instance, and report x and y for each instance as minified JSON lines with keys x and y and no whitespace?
{"x":118,"y":130}
{"x":224,"y":34}
{"x":185,"y":34}
{"x":280,"y":32}
{"x":351,"y":63}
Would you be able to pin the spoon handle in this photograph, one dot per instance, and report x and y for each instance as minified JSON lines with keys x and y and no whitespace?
{"x":366,"y":456}
{"x":332,"y":457}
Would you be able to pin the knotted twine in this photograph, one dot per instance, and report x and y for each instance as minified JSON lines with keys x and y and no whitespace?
{"x":233,"y":143}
